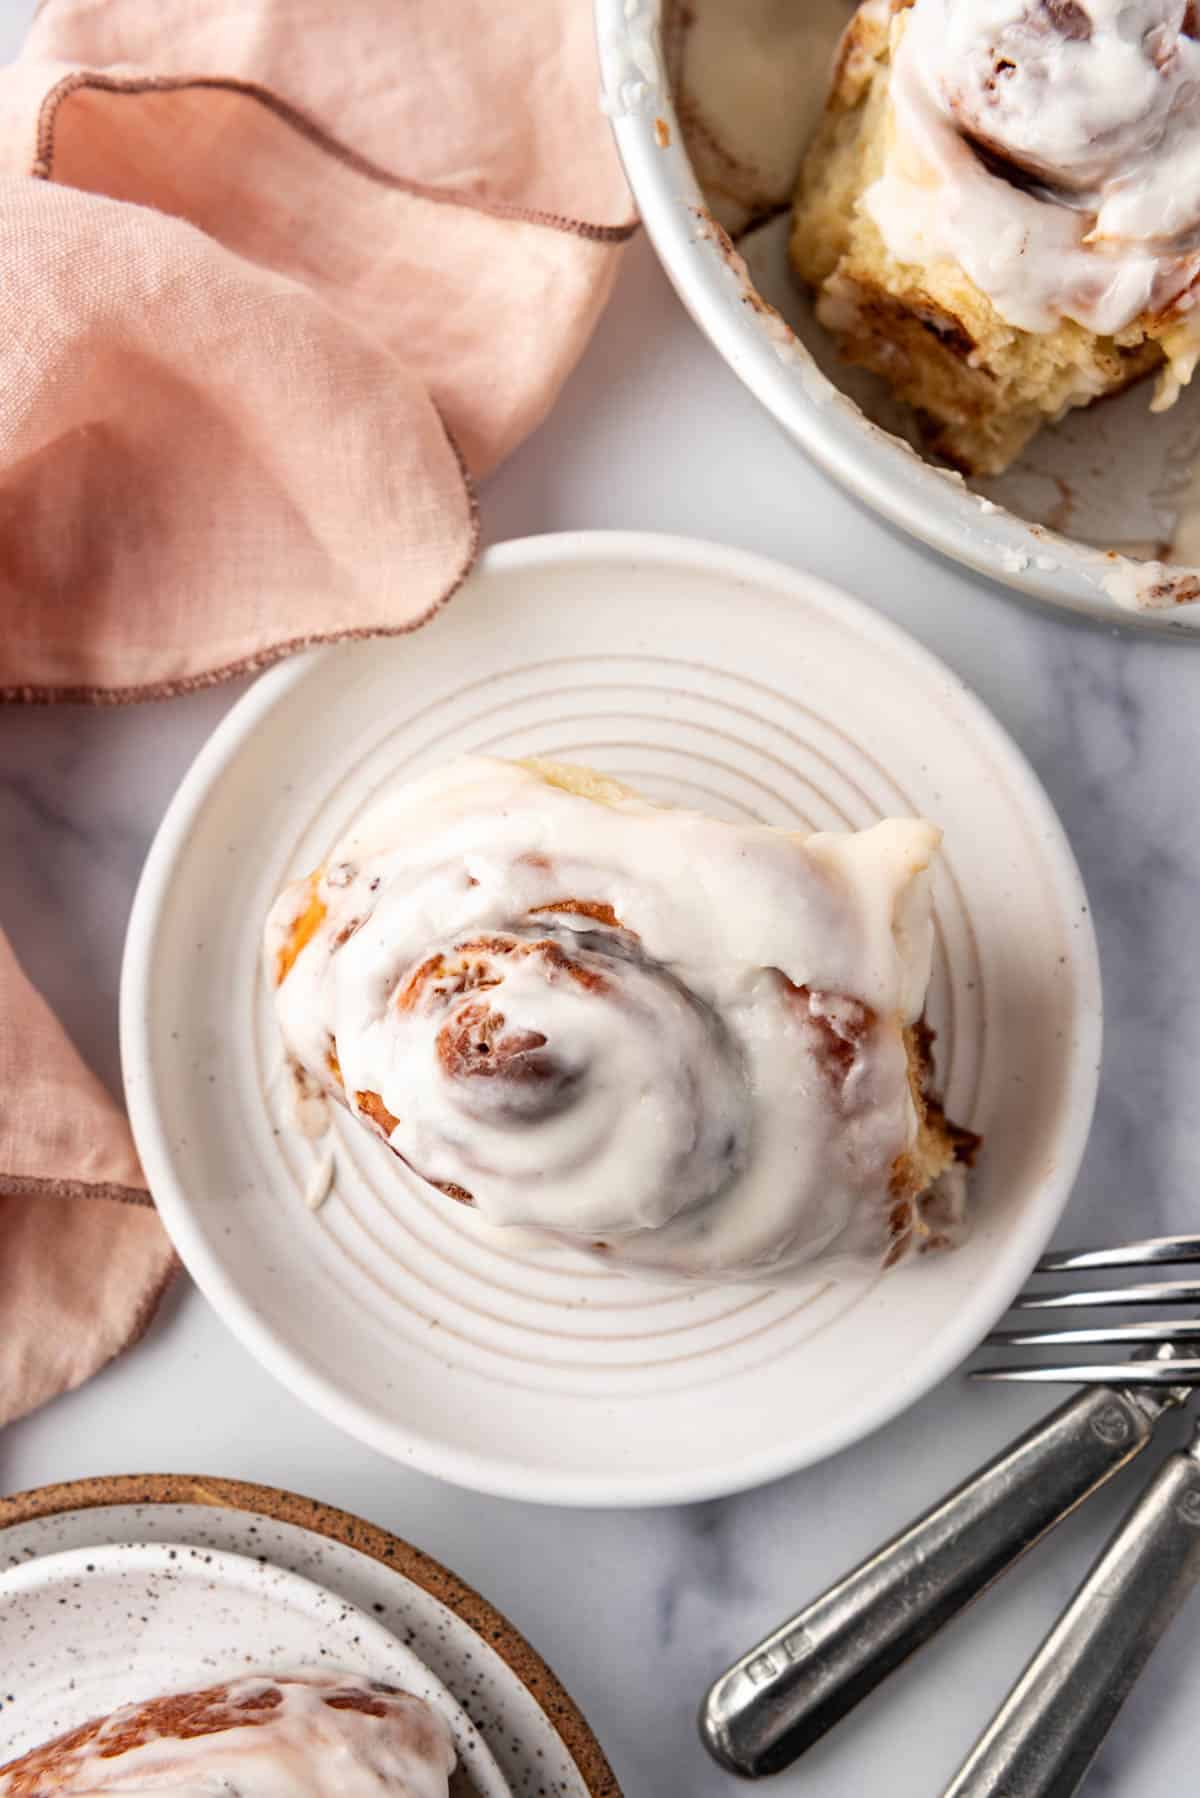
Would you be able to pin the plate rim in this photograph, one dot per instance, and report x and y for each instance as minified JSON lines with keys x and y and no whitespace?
{"x":484,"y":1473}
{"x":396,"y":1553}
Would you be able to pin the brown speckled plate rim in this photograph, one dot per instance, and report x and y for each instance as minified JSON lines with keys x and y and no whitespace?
{"x":353,"y":1532}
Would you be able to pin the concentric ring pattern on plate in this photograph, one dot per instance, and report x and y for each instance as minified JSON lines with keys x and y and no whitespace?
{"x":709,"y":680}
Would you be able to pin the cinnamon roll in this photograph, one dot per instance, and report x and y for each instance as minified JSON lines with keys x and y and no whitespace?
{"x":330,"y":1737}
{"x":1000,"y":213}
{"x":682,"y":1045}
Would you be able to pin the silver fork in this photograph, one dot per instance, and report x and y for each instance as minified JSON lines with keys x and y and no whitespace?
{"x":812,"y":1670}
{"x":1166,"y":1368}
{"x":1043,"y":1738}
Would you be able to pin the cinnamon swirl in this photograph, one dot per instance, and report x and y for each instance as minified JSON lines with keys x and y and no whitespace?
{"x":1000,"y":212}
{"x":331,"y":1737}
{"x":684,"y":1045}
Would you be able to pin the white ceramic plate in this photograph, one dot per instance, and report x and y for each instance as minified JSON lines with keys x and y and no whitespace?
{"x":1071,"y":522}
{"x":706,"y":677}
{"x":91,"y":1628}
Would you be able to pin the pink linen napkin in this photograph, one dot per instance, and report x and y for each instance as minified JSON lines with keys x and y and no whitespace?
{"x":280,"y":278}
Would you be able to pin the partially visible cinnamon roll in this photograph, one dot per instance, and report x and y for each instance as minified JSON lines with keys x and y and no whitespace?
{"x":680,"y":1044}
{"x":1000,"y":212}
{"x":328,"y":1737}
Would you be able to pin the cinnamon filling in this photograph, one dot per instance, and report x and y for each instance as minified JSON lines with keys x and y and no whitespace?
{"x":303,"y":930}
{"x":470,"y":968}
{"x":584,"y":908}
{"x":841,"y":1025}
{"x":372,"y":1106}
{"x":474,"y":1044}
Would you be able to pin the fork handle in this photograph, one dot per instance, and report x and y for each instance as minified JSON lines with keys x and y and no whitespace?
{"x":1042,"y":1740}
{"x":801,"y":1680}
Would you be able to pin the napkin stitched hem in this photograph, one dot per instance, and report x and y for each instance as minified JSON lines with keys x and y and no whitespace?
{"x":271,"y":652}
{"x":43,"y":166}
{"x":32,"y":1186}
{"x":43,"y":169}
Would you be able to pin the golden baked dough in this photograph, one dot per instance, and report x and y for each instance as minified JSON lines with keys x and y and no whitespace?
{"x":981,"y":387}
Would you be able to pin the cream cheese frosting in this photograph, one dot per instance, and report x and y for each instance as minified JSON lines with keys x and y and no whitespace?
{"x":1052,"y":149}
{"x":338,"y":1737}
{"x":677,"y":1041}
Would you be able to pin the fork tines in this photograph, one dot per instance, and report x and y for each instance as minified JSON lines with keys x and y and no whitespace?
{"x":1158,"y":1341}
{"x":1156,"y":1251}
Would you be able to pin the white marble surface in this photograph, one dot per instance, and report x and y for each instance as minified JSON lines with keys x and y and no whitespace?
{"x":637,"y":1610}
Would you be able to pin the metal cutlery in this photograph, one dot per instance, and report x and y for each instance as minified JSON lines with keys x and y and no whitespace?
{"x":1161,"y":1370}
{"x":787,"y":1692}
{"x":1043,"y":1738}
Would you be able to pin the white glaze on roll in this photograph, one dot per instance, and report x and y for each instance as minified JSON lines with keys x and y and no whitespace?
{"x":1093,"y":107}
{"x":310,"y":1743}
{"x":702,"y":1068}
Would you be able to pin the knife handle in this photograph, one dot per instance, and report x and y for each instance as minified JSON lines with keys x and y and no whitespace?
{"x":1042,"y":1740}
{"x":796,"y":1684}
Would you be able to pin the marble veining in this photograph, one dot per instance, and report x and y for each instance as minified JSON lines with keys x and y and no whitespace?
{"x":637,"y":1611}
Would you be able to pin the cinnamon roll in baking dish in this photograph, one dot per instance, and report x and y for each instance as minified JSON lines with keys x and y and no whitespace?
{"x":683,"y":1045}
{"x":332,"y":1737}
{"x":1000,"y":212}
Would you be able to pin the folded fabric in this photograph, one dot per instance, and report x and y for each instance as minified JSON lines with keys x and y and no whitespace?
{"x":280,"y":279}
{"x":83,"y":1258}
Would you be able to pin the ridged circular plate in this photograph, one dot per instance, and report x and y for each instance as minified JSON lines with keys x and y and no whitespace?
{"x":707,"y":678}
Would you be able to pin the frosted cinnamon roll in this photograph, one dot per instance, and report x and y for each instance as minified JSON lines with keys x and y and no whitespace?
{"x":327,"y":1737}
{"x":680,"y":1044}
{"x":1001,"y":209}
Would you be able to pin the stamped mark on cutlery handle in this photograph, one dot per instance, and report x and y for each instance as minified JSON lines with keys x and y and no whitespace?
{"x":804,"y":1677}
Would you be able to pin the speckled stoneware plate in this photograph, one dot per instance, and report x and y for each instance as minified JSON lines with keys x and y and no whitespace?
{"x":170,"y":1581}
{"x":708,"y":678}
{"x":88,"y":1629}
